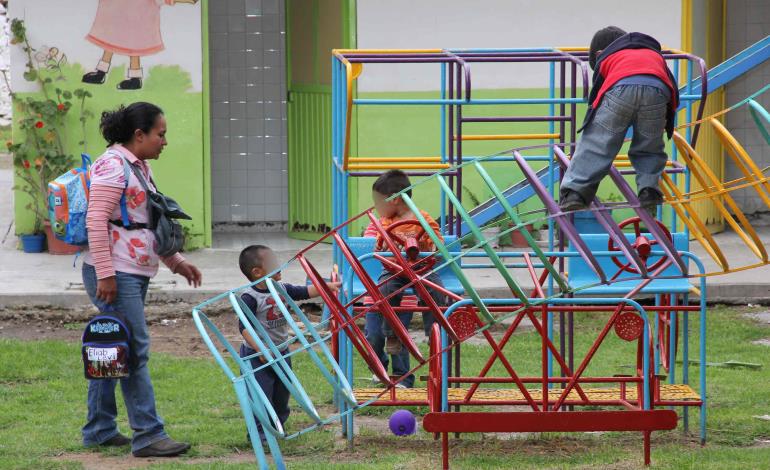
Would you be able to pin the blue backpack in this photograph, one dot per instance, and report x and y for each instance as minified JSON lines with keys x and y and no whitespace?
{"x":68,"y":203}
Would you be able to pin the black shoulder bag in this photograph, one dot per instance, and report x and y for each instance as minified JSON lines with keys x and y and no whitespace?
{"x":163,"y":215}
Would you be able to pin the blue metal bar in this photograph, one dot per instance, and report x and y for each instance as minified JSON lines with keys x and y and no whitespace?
{"x":735,"y":66}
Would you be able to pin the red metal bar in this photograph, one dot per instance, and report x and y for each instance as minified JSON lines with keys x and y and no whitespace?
{"x":603,"y":334}
{"x":417,"y":285}
{"x":385,"y":308}
{"x":503,"y":342}
{"x":540,"y":328}
{"x":559,"y":308}
{"x":647,"y":447}
{"x":530,"y":421}
{"x":354,"y":333}
{"x":553,"y":380}
{"x":445,"y":451}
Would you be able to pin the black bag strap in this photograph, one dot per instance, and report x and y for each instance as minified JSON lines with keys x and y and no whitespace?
{"x":131,"y":226}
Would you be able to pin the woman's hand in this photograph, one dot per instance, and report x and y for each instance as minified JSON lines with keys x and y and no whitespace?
{"x":107,"y":289}
{"x":190,"y":272}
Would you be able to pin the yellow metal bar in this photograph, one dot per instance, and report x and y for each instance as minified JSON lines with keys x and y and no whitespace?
{"x":703,"y":174}
{"x":393,"y":159}
{"x":412,"y":166}
{"x":698,"y":229}
{"x":743,"y":161}
{"x":510,"y":137}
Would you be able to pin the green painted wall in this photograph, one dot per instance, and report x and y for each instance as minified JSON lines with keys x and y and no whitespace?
{"x":314,"y":28}
{"x":180,"y":170}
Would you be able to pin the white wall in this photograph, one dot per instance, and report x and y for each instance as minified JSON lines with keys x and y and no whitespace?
{"x":747,"y":23}
{"x":65,"y":24}
{"x":448,"y":24}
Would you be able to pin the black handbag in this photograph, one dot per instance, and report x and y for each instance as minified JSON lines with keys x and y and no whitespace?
{"x":163,"y":214}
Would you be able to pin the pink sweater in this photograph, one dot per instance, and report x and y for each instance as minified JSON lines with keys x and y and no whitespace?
{"x":113,"y":248}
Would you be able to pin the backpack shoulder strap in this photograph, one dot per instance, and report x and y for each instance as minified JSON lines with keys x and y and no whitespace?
{"x":126,"y":174}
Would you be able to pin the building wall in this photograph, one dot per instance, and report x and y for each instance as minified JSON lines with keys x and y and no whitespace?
{"x":748,"y":21}
{"x":448,"y":24}
{"x":172,"y":79}
{"x":248,"y":111}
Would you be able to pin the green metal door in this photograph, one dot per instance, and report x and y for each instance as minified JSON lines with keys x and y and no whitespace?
{"x":313,"y":29}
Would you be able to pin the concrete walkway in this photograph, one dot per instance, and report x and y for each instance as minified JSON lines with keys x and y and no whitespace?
{"x":43,"y":279}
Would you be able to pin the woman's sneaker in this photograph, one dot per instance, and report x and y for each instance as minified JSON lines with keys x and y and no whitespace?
{"x":163,"y":448}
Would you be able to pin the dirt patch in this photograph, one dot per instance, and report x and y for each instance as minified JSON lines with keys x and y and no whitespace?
{"x":99,"y":461}
{"x":172,"y":329}
{"x":761,"y":443}
{"x":761,"y":317}
{"x":762,"y":342}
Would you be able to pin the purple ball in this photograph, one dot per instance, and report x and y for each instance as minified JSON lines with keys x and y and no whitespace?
{"x":402,"y":423}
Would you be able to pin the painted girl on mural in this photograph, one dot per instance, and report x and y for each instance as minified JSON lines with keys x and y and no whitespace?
{"x":130,"y":28}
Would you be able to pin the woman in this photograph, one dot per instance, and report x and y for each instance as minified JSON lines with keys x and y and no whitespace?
{"x":117,"y":270}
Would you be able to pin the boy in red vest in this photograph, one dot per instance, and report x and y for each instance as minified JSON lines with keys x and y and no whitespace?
{"x":632,"y":86}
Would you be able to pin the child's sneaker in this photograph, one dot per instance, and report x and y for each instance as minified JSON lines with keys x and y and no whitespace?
{"x":393,"y":345}
{"x":649,"y":199}
{"x":401,"y":385}
{"x":571,"y":201}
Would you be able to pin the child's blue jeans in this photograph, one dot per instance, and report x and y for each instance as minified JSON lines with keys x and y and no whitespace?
{"x":377,"y":327}
{"x":644,"y":108}
{"x":275,"y":391}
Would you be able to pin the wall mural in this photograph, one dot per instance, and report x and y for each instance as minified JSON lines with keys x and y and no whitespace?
{"x":86,"y":57}
{"x":126,"y":27}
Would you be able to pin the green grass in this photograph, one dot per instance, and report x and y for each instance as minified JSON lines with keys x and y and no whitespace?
{"x":42,"y":407}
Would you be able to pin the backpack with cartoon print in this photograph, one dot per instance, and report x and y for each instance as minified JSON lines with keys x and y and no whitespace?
{"x":68,"y":203}
{"x":106,"y":347}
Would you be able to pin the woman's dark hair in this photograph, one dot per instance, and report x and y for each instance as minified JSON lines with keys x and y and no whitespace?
{"x":118,"y":126}
{"x":603,"y":38}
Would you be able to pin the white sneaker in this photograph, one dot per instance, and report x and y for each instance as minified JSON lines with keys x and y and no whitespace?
{"x":401,"y":385}
{"x":376,"y":380}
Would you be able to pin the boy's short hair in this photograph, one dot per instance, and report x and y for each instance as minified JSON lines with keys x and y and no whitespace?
{"x":602,"y":38}
{"x":250,"y":258}
{"x":392,"y":182}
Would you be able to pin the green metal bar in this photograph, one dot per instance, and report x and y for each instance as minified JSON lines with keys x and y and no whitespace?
{"x":496,"y":261}
{"x":456,"y":269}
{"x":516,"y":220}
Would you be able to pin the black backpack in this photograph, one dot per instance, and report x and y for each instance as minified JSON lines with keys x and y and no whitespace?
{"x":106,"y":349}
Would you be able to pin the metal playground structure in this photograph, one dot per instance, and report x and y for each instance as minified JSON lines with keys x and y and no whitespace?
{"x":561,"y":386}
